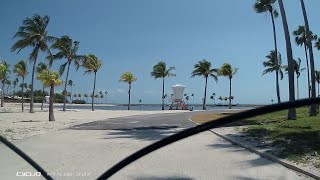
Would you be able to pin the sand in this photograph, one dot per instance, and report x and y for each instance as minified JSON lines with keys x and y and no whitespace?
{"x":15,"y":124}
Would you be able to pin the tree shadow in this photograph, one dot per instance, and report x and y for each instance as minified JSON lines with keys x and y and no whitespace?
{"x":290,"y":145}
{"x":150,"y":133}
{"x":234,"y":148}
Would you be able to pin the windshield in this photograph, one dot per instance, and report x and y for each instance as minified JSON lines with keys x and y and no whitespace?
{"x":159,"y":90}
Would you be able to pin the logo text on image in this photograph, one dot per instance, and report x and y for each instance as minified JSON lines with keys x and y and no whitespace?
{"x":31,"y":174}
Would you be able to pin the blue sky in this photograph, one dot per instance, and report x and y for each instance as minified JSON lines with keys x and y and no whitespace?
{"x":134,"y":35}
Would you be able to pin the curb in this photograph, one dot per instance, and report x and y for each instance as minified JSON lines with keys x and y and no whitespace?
{"x":268,"y":156}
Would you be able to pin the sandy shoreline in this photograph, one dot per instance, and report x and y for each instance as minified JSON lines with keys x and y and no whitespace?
{"x":17,"y":125}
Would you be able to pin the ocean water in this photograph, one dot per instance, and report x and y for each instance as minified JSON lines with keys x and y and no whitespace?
{"x":149,"y":107}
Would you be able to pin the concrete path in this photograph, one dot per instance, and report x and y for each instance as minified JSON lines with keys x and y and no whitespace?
{"x":86,"y":151}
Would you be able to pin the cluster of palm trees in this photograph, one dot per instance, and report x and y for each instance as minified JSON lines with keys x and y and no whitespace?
{"x":303,"y":37}
{"x":33,"y":34}
{"x":202,"y":68}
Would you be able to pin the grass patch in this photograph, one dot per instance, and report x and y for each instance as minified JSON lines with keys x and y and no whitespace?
{"x":296,"y":140}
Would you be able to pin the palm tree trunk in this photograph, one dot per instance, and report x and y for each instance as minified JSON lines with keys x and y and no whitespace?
{"x":65,"y":87}
{"x":278,"y":86}
{"x":2,"y":93}
{"x":205,"y":95}
{"x":51,"y":115}
{"x":163,"y":93}
{"x":297,"y":87}
{"x":42,"y":97}
{"x":276,"y":51}
{"x":94,"y":88}
{"x":308,"y":69}
{"x":318,"y":90}
{"x":313,"y":108}
{"x":292,"y":111}
{"x":22,"y":99}
{"x":32,"y":80}
{"x":230,"y":94}
{"x":129,"y":103}
{"x":71,"y":96}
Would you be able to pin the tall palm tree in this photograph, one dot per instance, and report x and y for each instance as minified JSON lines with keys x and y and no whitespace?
{"x":297,"y":69}
{"x":129,"y":78}
{"x":92,"y":64}
{"x":228,"y":71}
{"x":317,"y":75}
{"x":263,"y":6}
{"x":42,"y":67}
{"x":67,"y":48}
{"x":106,"y":93}
{"x":4,"y":72}
{"x":301,"y":40}
{"x":160,"y":70}
{"x":15,"y":83}
{"x":292,"y":111}
{"x":50,"y":79}
{"x":33,"y":33}
{"x":203,"y":68}
{"x":313,"y":108}
{"x":21,"y":70}
{"x":274,"y":64}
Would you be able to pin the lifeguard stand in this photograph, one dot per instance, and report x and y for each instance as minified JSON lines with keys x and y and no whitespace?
{"x":177,"y":102}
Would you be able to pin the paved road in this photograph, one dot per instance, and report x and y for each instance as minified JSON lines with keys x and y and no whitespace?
{"x":93,"y":147}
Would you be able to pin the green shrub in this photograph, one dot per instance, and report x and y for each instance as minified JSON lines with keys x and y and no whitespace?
{"x":79,"y":101}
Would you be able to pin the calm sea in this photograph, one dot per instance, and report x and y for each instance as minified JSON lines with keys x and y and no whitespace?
{"x":150,"y":107}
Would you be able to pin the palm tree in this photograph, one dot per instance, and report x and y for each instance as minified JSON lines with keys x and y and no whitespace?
{"x":203,"y":68}
{"x":274,"y":64}
{"x":129,"y":78}
{"x":21,"y":70}
{"x":263,"y":6}
{"x":42,"y":67}
{"x":292,"y":111}
{"x":313,"y":108}
{"x":100,"y":93}
{"x":79,"y":96}
{"x":317,"y":75}
{"x":220,"y":98}
{"x":187,"y":99}
{"x":86,"y":96}
{"x":211,"y":97}
{"x":71,"y":84}
{"x":4,"y":72}
{"x":33,"y":33}
{"x":297,"y":69}
{"x":8,"y":83}
{"x":101,"y":97}
{"x":301,"y":40}
{"x":92,"y":64}
{"x":74,"y":95}
{"x":15,"y":83}
{"x":192,"y":95}
{"x":50,"y":79}
{"x":106,"y":93}
{"x":67,"y":49}
{"x":228,"y":71}
{"x":160,"y":71}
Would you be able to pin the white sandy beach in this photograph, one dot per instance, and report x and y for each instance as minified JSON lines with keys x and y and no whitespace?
{"x":17,"y":125}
